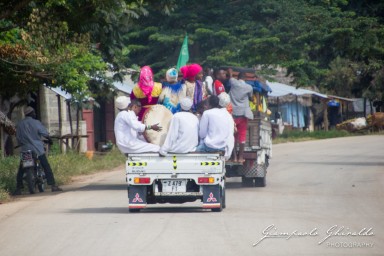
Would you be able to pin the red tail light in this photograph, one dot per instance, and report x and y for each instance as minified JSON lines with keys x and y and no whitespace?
{"x":205,"y":180}
{"x":145,"y":180}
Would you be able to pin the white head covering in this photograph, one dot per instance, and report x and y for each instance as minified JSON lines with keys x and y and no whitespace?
{"x":224,"y":99}
{"x":186,"y":103}
{"x":28,"y":110}
{"x":122,"y":102}
{"x":171,"y":75}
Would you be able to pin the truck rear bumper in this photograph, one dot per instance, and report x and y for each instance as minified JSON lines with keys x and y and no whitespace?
{"x":210,"y":195}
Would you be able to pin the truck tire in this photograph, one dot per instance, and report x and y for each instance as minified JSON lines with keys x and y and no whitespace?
{"x":260,"y":182}
{"x":222,"y":201}
{"x":30,"y":178}
{"x":247,"y":182}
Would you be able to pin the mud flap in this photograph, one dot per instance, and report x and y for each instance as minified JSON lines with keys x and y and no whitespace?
{"x":211,"y":196}
{"x":137,"y":197}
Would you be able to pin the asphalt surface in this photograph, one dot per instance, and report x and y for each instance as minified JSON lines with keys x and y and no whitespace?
{"x":314,"y":189}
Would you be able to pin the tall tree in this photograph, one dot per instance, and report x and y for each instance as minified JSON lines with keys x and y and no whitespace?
{"x":305,"y":36}
{"x":67,"y":43}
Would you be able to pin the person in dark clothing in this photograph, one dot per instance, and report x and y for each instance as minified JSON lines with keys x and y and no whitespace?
{"x":28,"y":133}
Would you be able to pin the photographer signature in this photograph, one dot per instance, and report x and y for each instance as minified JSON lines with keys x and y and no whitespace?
{"x":334,"y":231}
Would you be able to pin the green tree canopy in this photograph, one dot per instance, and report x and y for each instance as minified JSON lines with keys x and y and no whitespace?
{"x":310,"y":38}
{"x":66,"y":43}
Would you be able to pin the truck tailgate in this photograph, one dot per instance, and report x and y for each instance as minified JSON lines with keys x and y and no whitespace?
{"x":185,"y":163}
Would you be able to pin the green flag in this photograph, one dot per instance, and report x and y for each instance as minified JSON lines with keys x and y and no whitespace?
{"x":184,"y":54}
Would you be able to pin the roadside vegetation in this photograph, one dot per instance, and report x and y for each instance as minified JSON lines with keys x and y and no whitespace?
{"x":297,"y":136}
{"x":65,"y":167}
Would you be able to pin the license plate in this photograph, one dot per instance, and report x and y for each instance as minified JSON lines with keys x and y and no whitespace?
{"x":28,"y":163}
{"x":174,"y":185}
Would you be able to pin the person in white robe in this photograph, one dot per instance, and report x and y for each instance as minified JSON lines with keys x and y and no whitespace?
{"x":224,"y":101}
{"x":128,"y":128}
{"x":183,"y":133}
{"x":214,"y":128}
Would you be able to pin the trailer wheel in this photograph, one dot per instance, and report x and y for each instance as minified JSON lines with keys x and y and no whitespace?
{"x":260,"y":182}
{"x":247,"y":182}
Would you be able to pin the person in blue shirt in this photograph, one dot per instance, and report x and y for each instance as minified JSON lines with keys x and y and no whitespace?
{"x":173,"y":91}
{"x":29,"y":133}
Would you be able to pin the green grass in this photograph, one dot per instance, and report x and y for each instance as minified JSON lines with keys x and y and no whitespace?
{"x":64,"y":166}
{"x":8,"y":170}
{"x":296,"y":136}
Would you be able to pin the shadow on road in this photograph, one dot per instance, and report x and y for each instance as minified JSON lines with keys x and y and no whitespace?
{"x":124,"y":210}
{"x":233,"y":185}
{"x":102,"y":210}
{"x":95,"y":187}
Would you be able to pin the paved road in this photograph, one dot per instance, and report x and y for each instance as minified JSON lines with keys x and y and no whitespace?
{"x":312,"y":186}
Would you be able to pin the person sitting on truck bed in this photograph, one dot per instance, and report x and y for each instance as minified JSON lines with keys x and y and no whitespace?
{"x":240,"y":94}
{"x":224,"y":101}
{"x":214,"y":128}
{"x":128,"y":127}
{"x":183,"y":133}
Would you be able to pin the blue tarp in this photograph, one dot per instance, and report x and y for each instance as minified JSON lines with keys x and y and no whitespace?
{"x":259,"y":87}
{"x":290,"y":111}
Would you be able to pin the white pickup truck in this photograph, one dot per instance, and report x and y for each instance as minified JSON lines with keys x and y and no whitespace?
{"x":176,"y":178}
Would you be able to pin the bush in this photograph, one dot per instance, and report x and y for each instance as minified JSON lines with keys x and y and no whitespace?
{"x":8,"y":170}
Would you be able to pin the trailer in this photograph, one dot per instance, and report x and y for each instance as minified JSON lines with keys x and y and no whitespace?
{"x":258,"y":146}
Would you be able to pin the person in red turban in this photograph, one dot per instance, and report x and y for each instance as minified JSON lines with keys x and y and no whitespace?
{"x":193,"y":75}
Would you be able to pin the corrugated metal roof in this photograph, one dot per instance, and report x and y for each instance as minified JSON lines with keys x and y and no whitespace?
{"x":126,"y":86}
{"x":341,"y":98}
{"x":61,"y":92}
{"x":279,"y":90}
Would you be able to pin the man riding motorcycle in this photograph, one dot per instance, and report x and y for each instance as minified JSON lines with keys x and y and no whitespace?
{"x":28,"y":133}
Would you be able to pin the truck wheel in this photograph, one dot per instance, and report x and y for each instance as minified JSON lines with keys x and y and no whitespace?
{"x":30,"y":180}
{"x":247,"y":182}
{"x":260,"y":182}
{"x":222,"y":201}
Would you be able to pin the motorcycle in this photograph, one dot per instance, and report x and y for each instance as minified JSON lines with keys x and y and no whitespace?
{"x":34,"y":175}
